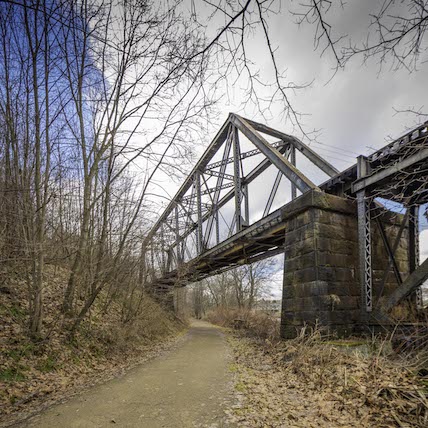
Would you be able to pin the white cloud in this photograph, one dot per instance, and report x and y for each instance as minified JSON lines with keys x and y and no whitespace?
{"x":276,"y":284}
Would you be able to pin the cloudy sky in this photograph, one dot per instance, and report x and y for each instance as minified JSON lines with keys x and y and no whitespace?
{"x":354,"y":110}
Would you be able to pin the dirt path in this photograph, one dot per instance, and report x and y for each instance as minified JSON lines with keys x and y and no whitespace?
{"x":187,"y":388}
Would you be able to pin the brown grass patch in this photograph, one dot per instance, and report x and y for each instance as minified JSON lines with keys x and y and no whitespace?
{"x":255,"y":323}
{"x":307,"y":382}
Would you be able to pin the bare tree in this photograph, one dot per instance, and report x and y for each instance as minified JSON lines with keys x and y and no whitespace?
{"x":96,"y":74}
{"x":147,"y":70}
{"x":396,"y":36}
{"x":250,"y":282}
{"x":26,"y":108}
{"x":239,"y":288}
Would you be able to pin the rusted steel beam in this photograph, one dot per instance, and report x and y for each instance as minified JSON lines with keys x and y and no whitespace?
{"x":244,"y":155}
{"x":291,"y":172}
{"x":314,"y":157}
{"x":207,"y":156}
{"x":389,"y":170}
{"x":409,"y":285}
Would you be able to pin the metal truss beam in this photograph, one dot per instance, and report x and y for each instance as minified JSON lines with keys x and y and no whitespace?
{"x":410,"y":284}
{"x":404,"y":142}
{"x":384,"y":173}
{"x":414,"y":258}
{"x":218,"y":174}
{"x":210,"y":190}
{"x":292,"y":173}
{"x":364,"y":240}
{"x":392,"y":257}
{"x":314,"y":157}
{"x":413,"y":237}
{"x":277,"y":182}
{"x":200,"y":166}
{"x":244,"y":155}
{"x":293,"y":161}
{"x":199,"y":236}
{"x":237,"y":179}
{"x":273,"y":156}
{"x":213,"y":216}
{"x":259,"y":169}
{"x":272,"y":193}
{"x":390,"y":251}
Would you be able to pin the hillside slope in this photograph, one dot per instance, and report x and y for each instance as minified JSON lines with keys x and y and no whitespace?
{"x":35,"y":375}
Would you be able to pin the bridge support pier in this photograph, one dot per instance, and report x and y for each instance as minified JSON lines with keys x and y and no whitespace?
{"x":321,"y":284}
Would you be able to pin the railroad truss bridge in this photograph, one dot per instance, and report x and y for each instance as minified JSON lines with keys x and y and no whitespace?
{"x":350,"y":243}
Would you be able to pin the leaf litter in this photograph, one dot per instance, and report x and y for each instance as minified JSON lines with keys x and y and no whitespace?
{"x":307,"y":382}
{"x":33,"y":376}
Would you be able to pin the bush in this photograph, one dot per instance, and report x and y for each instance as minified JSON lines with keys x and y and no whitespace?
{"x":253,"y":322}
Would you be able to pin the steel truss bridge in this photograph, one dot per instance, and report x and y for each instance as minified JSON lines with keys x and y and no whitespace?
{"x":231,"y":209}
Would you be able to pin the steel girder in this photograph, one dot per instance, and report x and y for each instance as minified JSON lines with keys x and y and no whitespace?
{"x":201,"y":217}
{"x":397,"y":172}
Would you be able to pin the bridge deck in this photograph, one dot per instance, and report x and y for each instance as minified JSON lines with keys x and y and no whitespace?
{"x":261,"y":240}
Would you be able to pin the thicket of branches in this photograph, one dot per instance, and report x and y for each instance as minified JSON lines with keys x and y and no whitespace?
{"x":98,"y":96}
{"x":80,"y":83}
{"x":91,"y":93}
{"x":242,"y":288}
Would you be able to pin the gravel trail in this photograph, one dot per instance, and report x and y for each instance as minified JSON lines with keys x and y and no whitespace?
{"x":188,"y":387}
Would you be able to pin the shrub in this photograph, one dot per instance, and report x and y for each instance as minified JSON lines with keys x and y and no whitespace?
{"x":253,"y":322}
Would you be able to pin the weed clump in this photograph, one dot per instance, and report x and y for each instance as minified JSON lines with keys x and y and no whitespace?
{"x":255,"y":323}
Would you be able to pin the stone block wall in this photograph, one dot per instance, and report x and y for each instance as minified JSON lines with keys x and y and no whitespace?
{"x":321,"y":265}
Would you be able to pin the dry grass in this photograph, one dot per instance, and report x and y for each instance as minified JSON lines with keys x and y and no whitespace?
{"x":314,"y":383}
{"x":255,"y":323}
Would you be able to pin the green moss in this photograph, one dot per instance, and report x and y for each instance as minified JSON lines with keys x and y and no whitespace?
{"x":49,"y":364}
{"x":233,"y":368}
{"x":12,"y":374}
{"x":240,"y":387}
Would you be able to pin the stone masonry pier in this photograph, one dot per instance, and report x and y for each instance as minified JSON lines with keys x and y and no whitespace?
{"x":321,"y":265}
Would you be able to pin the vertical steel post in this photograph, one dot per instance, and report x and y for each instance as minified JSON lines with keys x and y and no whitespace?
{"x":364,"y":240}
{"x":199,"y":236}
{"x":293,"y":162}
{"x":177,"y":236}
{"x":216,"y":197}
{"x":217,"y":226}
{"x":246,"y":205}
{"x":273,"y":193}
{"x":414,"y":259}
{"x":237,"y":179}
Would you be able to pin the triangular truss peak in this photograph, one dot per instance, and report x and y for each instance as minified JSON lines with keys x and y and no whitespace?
{"x":246,"y":162}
